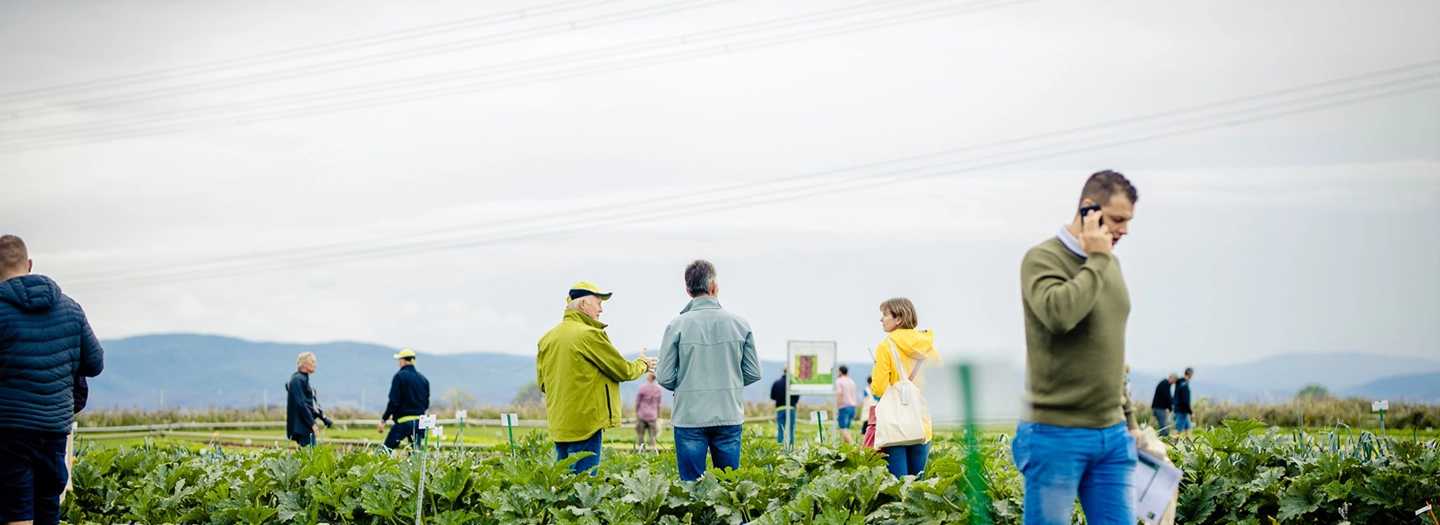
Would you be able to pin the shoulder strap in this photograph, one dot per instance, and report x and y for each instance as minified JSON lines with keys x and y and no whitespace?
{"x":900,"y":365}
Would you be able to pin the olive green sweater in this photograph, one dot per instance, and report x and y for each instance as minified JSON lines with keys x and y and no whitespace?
{"x":1075,"y":312}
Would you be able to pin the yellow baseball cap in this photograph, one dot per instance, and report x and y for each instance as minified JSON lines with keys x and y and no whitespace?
{"x":404,"y":354}
{"x":584,"y":288}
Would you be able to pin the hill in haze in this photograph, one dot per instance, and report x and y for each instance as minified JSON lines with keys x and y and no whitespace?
{"x":205,"y":370}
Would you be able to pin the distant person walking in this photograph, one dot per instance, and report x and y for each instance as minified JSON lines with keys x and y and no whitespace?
{"x":579,"y":371}
{"x":46,"y":349}
{"x":409,"y":399}
{"x":1072,"y":438}
{"x":708,"y":357}
{"x":784,"y":408}
{"x":1161,"y":404}
{"x":845,"y":403}
{"x":301,"y":410}
{"x":916,"y":349}
{"x":1184,"y":415}
{"x":867,"y":403}
{"x":647,"y":413}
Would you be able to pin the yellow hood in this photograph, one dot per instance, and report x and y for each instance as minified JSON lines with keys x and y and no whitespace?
{"x":915,"y":344}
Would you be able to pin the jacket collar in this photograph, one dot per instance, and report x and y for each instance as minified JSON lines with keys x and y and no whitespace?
{"x":580,"y":317}
{"x":704,"y":302}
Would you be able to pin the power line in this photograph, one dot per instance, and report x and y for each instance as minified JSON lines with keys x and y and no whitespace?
{"x":1235,"y":118}
{"x":335,"y":46}
{"x":318,"y":109}
{"x":431,"y":80}
{"x":1235,"y":106}
{"x":368,"y":60}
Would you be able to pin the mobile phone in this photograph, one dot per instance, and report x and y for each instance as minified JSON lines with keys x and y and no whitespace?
{"x":1093,"y":207}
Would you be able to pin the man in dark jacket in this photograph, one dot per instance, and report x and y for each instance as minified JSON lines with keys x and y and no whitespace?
{"x":301,"y":409}
{"x":1183,"y":422}
{"x":784,"y":412}
{"x":45,"y":345}
{"x":409,"y":399}
{"x":1161,"y":403}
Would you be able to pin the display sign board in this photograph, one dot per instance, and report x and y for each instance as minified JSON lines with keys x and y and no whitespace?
{"x":427,"y":421}
{"x":1377,"y":406}
{"x":812,"y":367}
{"x":509,"y":420}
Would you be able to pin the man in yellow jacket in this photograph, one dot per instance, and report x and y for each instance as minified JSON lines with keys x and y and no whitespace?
{"x":580,"y":371}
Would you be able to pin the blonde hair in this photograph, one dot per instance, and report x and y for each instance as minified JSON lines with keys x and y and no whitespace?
{"x":304,"y":358}
{"x":902,"y":310}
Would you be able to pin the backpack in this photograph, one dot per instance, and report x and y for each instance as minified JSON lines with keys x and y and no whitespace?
{"x":902,"y":414}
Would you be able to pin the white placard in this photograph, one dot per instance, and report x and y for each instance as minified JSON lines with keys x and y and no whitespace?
{"x":812,"y":367}
{"x":509,"y":420}
{"x":460,"y":414}
{"x":427,"y":422}
{"x":1155,"y":482}
{"x":819,"y":416}
{"x":438,"y":431}
{"x":1422,"y":510}
{"x":1383,"y":404}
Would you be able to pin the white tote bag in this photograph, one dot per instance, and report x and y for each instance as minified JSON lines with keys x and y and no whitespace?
{"x":902,"y":415}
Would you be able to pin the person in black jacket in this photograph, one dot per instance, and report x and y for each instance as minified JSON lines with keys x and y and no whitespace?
{"x":46,"y":347}
{"x":784,"y":412}
{"x":301,"y":409}
{"x":409,"y":399}
{"x":1160,"y":405}
{"x":1183,"y":413}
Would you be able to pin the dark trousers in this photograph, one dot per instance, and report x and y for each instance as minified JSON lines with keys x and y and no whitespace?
{"x":400,"y":431}
{"x":691,"y":444}
{"x":32,"y":476}
{"x":304,"y":440}
{"x":591,"y":445}
{"x":1162,"y":420}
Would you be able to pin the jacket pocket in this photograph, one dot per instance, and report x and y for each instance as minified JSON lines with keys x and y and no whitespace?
{"x":609,"y":408}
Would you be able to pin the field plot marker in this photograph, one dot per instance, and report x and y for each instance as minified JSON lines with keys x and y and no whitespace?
{"x":820,"y":417}
{"x":509,"y":421}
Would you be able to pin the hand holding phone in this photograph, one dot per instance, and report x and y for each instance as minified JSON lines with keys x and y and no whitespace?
{"x":1094,"y":236}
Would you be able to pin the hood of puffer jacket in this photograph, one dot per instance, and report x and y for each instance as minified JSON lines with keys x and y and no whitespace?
{"x":30,"y":293}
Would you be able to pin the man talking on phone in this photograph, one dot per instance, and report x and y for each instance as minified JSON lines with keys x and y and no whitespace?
{"x":1076,"y":437}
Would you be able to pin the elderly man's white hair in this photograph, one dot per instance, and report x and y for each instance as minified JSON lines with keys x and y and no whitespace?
{"x":574,"y":304}
{"x":305,"y":357}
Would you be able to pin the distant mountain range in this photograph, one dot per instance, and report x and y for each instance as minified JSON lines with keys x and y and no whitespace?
{"x":192,"y":370}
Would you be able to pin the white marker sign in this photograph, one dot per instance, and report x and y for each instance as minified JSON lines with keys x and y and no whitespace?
{"x":1422,"y":510}
{"x":819,"y":415}
{"x":1383,"y":404}
{"x":427,"y":422}
{"x":439,"y":432}
{"x":460,"y":414}
{"x":509,"y":420}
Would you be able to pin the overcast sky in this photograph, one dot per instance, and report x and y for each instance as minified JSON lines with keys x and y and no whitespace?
{"x":1318,"y":231}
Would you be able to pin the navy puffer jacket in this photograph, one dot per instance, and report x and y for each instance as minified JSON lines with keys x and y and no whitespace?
{"x":45,"y":344}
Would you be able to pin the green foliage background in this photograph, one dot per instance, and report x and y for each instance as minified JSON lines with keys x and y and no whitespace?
{"x":1240,"y":473}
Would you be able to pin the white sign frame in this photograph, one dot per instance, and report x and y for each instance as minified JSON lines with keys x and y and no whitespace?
{"x":509,"y":420}
{"x":1383,"y":404}
{"x":824,"y":354}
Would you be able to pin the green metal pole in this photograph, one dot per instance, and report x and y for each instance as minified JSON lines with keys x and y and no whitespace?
{"x":511,"y":428}
{"x":975,"y":463}
{"x":820,"y":423}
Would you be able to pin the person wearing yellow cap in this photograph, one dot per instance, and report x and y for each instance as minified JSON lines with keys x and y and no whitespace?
{"x":409,"y":399}
{"x":579,"y":370}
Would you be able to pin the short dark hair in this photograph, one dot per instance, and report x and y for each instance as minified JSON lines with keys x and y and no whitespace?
{"x":869,"y":379}
{"x":408,"y":359}
{"x":699,"y":275}
{"x":1189,"y":371}
{"x":1102,"y":186}
{"x":12,"y":251}
{"x":844,"y":369}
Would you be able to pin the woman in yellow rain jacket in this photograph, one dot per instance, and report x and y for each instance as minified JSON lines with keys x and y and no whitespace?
{"x":917,"y":354}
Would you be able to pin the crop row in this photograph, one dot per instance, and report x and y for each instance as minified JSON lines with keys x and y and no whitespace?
{"x":1239,"y":473}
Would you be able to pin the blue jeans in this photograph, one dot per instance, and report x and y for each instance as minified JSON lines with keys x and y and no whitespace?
{"x":844,"y":417}
{"x":1060,"y":462}
{"x":591,"y":445}
{"x":1162,"y":420}
{"x":32,"y":476}
{"x":691,"y":444}
{"x":1182,"y":422}
{"x":409,"y":429}
{"x":906,"y":460}
{"x":781,"y":416}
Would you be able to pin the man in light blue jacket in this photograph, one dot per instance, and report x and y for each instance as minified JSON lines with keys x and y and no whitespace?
{"x":707,"y":358}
